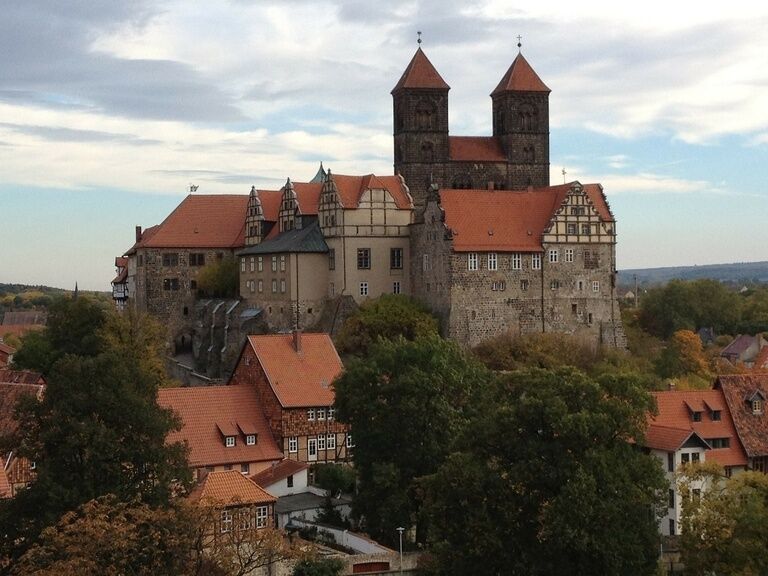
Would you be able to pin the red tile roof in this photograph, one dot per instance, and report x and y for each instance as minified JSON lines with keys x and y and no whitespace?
{"x":146,"y":235}
{"x":469,"y":148}
{"x":121,"y":277}
{"x":270,"y":204}
{"x":7,"y":348}
{"x":121,"y":261}
{"x":675,"y":409}
{"x":308,"y":196}
{"x":203,"y":221}
{"x":761,"y":360}
{"x":5,"y":486}
{"x":351,"y":188}
{"x":8,"y":376}
{"x":203,"y":409}
{"x":302,"y":378}
{"x":279,"y":472}
{"x":740,"y":344}
{"x":752,"y":428}
{"x":230,"y":487}
{"x":666,"y":438}
{"x":520,"y":78}
{"x":10,"y":394}
{"x":420,"y":74}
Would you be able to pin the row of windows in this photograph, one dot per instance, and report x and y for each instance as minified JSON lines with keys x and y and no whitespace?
{"x":231,"y":441}
{"x":364,"y":288}
{"x":320,"y":413}
{"x":244,"y":518}
{"x":573,"y":228}
{"x":324,"y":442}
{"x":195,"y":258}
{"x":501,"y":285}
{"x":258,"y":286}
{"x":516,"y":259}
{"x":256,"y":263}
{"x":364,"y":259}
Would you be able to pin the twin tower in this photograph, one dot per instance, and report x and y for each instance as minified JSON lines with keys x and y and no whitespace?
{"x":515,"y":157}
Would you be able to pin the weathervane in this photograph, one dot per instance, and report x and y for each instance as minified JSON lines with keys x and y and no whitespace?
{"x":564,"y":173}
{"x":418,"y":41}
{"x":519,"y":43}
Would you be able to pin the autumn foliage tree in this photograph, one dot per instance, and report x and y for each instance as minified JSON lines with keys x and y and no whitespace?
{"x":683,"y":355}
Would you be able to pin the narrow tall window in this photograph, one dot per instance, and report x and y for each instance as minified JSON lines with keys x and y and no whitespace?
{"x":274,"y":263}
{"x":363,"y":258}
{"x":396,"y":287}
{"x":331,"y":259}
{"x":282,"y":263}
{"x":553,"y":255}
{"x":396,"y":258}
{"x":472,"y":261}
{"x":517,"y":261}
{"x":493,"y":262}
{"x":242,"y":264}
{"x":363,"y":288}
{"x":536,"y":262}
{"x":261,"y":264}
{"x":569,"y":254}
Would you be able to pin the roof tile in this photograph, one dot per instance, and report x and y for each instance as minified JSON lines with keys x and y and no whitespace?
{"x":230,"y":487}
{"x":475,"y":148}
{"x":278,"y":472}
{"x":752,"y":428}
{"x":420,"y":74}
{"x":520,"y":77}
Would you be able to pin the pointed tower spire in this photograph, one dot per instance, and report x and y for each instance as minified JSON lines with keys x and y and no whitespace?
{"x":420,"y":73}
{"x":74,"y":296}
{"x":520,"y":78}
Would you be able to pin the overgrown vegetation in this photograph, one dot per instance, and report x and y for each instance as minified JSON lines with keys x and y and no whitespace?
{"x":219,"y":279}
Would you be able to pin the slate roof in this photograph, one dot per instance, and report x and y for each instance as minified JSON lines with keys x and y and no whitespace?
{"x":298,"y":378}
{"x":279,"y":472}
{"x":204,"y":409}
{"x":469,"y":148}
{"x":520,"y":77}
{"x":203,"y":221}
{"x":508,"y":220}
{"x":675,"y":407}
{"x":298,"y":240}
{"x":350,"y":189}
{"x":230,"y":487}
{"x":420,"y":74}
{"x":751,"y":428}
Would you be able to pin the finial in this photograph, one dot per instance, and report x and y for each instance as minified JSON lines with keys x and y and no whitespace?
{"x":418,"y":41}
{"x":563,"y":173}
{"x":193,"y":188}
{"x":519,"y":43}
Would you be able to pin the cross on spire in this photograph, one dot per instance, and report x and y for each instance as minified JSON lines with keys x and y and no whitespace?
{"x":519,"y":43}
{"x":418,"y":41}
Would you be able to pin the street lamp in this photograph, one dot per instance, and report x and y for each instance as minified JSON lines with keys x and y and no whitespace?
{"x":401,"y":530}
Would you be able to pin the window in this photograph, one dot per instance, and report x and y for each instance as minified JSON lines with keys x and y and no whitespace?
{"x":596,"y":286}
{"x":586,"y":229}
{"x":716,"y":415}
{"x":245,"y":468}
{"x":196,"y":259}
{"x":321,"y":413}
{"x":250,"y":439}
{"x":696,"y":416}
{"x":226,"y":521}
{"x":499,"y":285}
{"x":697,"y":493}
{"x":685,"y":457}
{"x":580,"y":285}
{"x":282,"y":263}
{"x":363,"y":258}
{"x":536,"y":262}
{"x":261,"y":516}
{"x":570,"y":228}
{"x":553,"y":256}
{"x":517,"y":261}
{"x":493,"y":262}
{"x":695,"y":457}
{"x":274,"y":263}
{"x":331,"y":259}
{"x":671,"y":527}
{"x":321,"y":442}
{"x":331,"y":413}
{"x":569,"y":254}
{"x":719,"y":442}
{"x":171,"y":259}
{"x":293,"y":444}
{"x":331,"y":441}
{"x":554,"y":285}
{"x":242,"y":264}
{"x":757,"y":406}
{"x":32,"y":465}
{"x":524,"y":284}
{"x":396,"y":287}
{"x":289,"y":481}
{"x":274,"y":285}
{"x":577,"y":210}
{"x":363,"y":288}
{"x":671,"y":498}
{"x":261,"y":286}
{"x":350,"y":444}
{"x":671,"y":461}
{"x":311,"y":414}
{"x":332,"y":289}
{"x":282,"y":285}
{"x":472,"y":261}
{"x":229,"y":441}
{"x":260,"y":261}
{"x":591,"y":260}
{"x":396,"y":258}
{"x":171,"y":284}
{"x":425,"y":262}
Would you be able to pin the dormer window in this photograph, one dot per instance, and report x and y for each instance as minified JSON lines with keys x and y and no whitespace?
{"x":696,"y":416}
{"x":716,"y":415}
{"x":757,"y":406}
{"x":229,"y":441}
{"x":250,"y":440}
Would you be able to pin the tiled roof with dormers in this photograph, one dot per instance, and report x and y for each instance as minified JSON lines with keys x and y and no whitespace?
{"x":676,"y":409}
{"x":752,"y":428}
{"x":230,"y":487}
{"x":279,"y":472}
{"x":207,"y":410}
{"x":203,"y":221}
{"x":475,"y":148}
{"x":299,"y":378}
{"x":420,"y":74}
{"x":520,"y":77}
{"x":351,"y":189}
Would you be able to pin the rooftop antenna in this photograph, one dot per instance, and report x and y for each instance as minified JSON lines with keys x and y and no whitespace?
{"x":418,"y":41}
{"x":563,"y":173}
{"x":519,"y":44}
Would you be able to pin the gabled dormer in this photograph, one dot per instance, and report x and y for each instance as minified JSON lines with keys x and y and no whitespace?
{"x":288,"y":207}
{"x":583,"y":217}
{"x":254,"y":219}
{"x":756,"y":402}
{"x":228,"y":433}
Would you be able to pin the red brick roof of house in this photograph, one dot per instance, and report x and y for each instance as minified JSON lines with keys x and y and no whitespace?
{"x":10,"y":394}
{"x":299,"y":378}
{"x":508,"y":220}
{"x":5,"y":486}
{"x":420,"y":74}
{"x":469,"y":148}
{"x":351,"y":188}
{"x":739,"y":391}
{"x":270,"y":204}
{"x":208,"y":413}
{"x":203,"y":221}
{"x":8,"y":376}
{"x":230,"y":487}
{"x":7,"y":348}
{"x":675,"y":411}
{"x":761,"y":360}
{"x":520,"y":77}
{"x":667,"y":438}
{"x":279,"y":472}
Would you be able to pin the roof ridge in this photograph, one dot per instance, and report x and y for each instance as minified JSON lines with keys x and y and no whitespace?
{"x":420,"y":73}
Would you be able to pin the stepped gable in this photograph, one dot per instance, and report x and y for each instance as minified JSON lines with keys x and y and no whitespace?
{"x":520,"y":77}
{"x":475,"y":148}
{"x":203,"y":221}
{"x":420,"y":73}
{"x":230,"y":487}
{"x":351,"y":189}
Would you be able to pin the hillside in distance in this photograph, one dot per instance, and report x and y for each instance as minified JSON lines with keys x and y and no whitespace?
{"x":734,"y":273}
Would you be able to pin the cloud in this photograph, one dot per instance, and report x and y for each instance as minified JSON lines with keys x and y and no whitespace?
{"x":61,"y":134}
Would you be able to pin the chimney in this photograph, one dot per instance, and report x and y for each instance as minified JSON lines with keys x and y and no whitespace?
{"x":491,"y":186}
{"x":297,"y":340}
{"x":138,"y":233}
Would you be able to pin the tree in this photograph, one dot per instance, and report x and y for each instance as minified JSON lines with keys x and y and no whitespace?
{"x":546,"y":481}
{"x":724,"y":527}
{"x":219,"y":279}
{"x":405,"y":403}
{"x":389,"y":316}
{"x":684,"y":354}
{"x":318,"y":567}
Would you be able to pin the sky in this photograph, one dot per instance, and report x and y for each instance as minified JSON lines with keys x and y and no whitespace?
{"x":109,"y":111}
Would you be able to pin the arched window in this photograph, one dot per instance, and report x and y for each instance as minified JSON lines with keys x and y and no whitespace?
{"x":425,"y":115}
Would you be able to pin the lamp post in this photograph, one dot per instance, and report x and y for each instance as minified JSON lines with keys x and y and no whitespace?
{"x":401,"y":530}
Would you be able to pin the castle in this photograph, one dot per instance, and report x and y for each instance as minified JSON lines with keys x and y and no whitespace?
{"x":468,"y":225}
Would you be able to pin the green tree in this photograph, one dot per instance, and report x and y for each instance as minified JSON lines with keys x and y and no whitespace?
{"x":405,"y":403}
{"x":389,"y":316}
{"x":724,"y":527}
{"x":318,"y":567}
{"x":219,"y":279}
{"x":546,"y":481}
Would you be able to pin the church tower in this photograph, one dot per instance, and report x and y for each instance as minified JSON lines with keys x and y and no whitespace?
{"x":420,"y":102}
{"x":521,"y":123}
